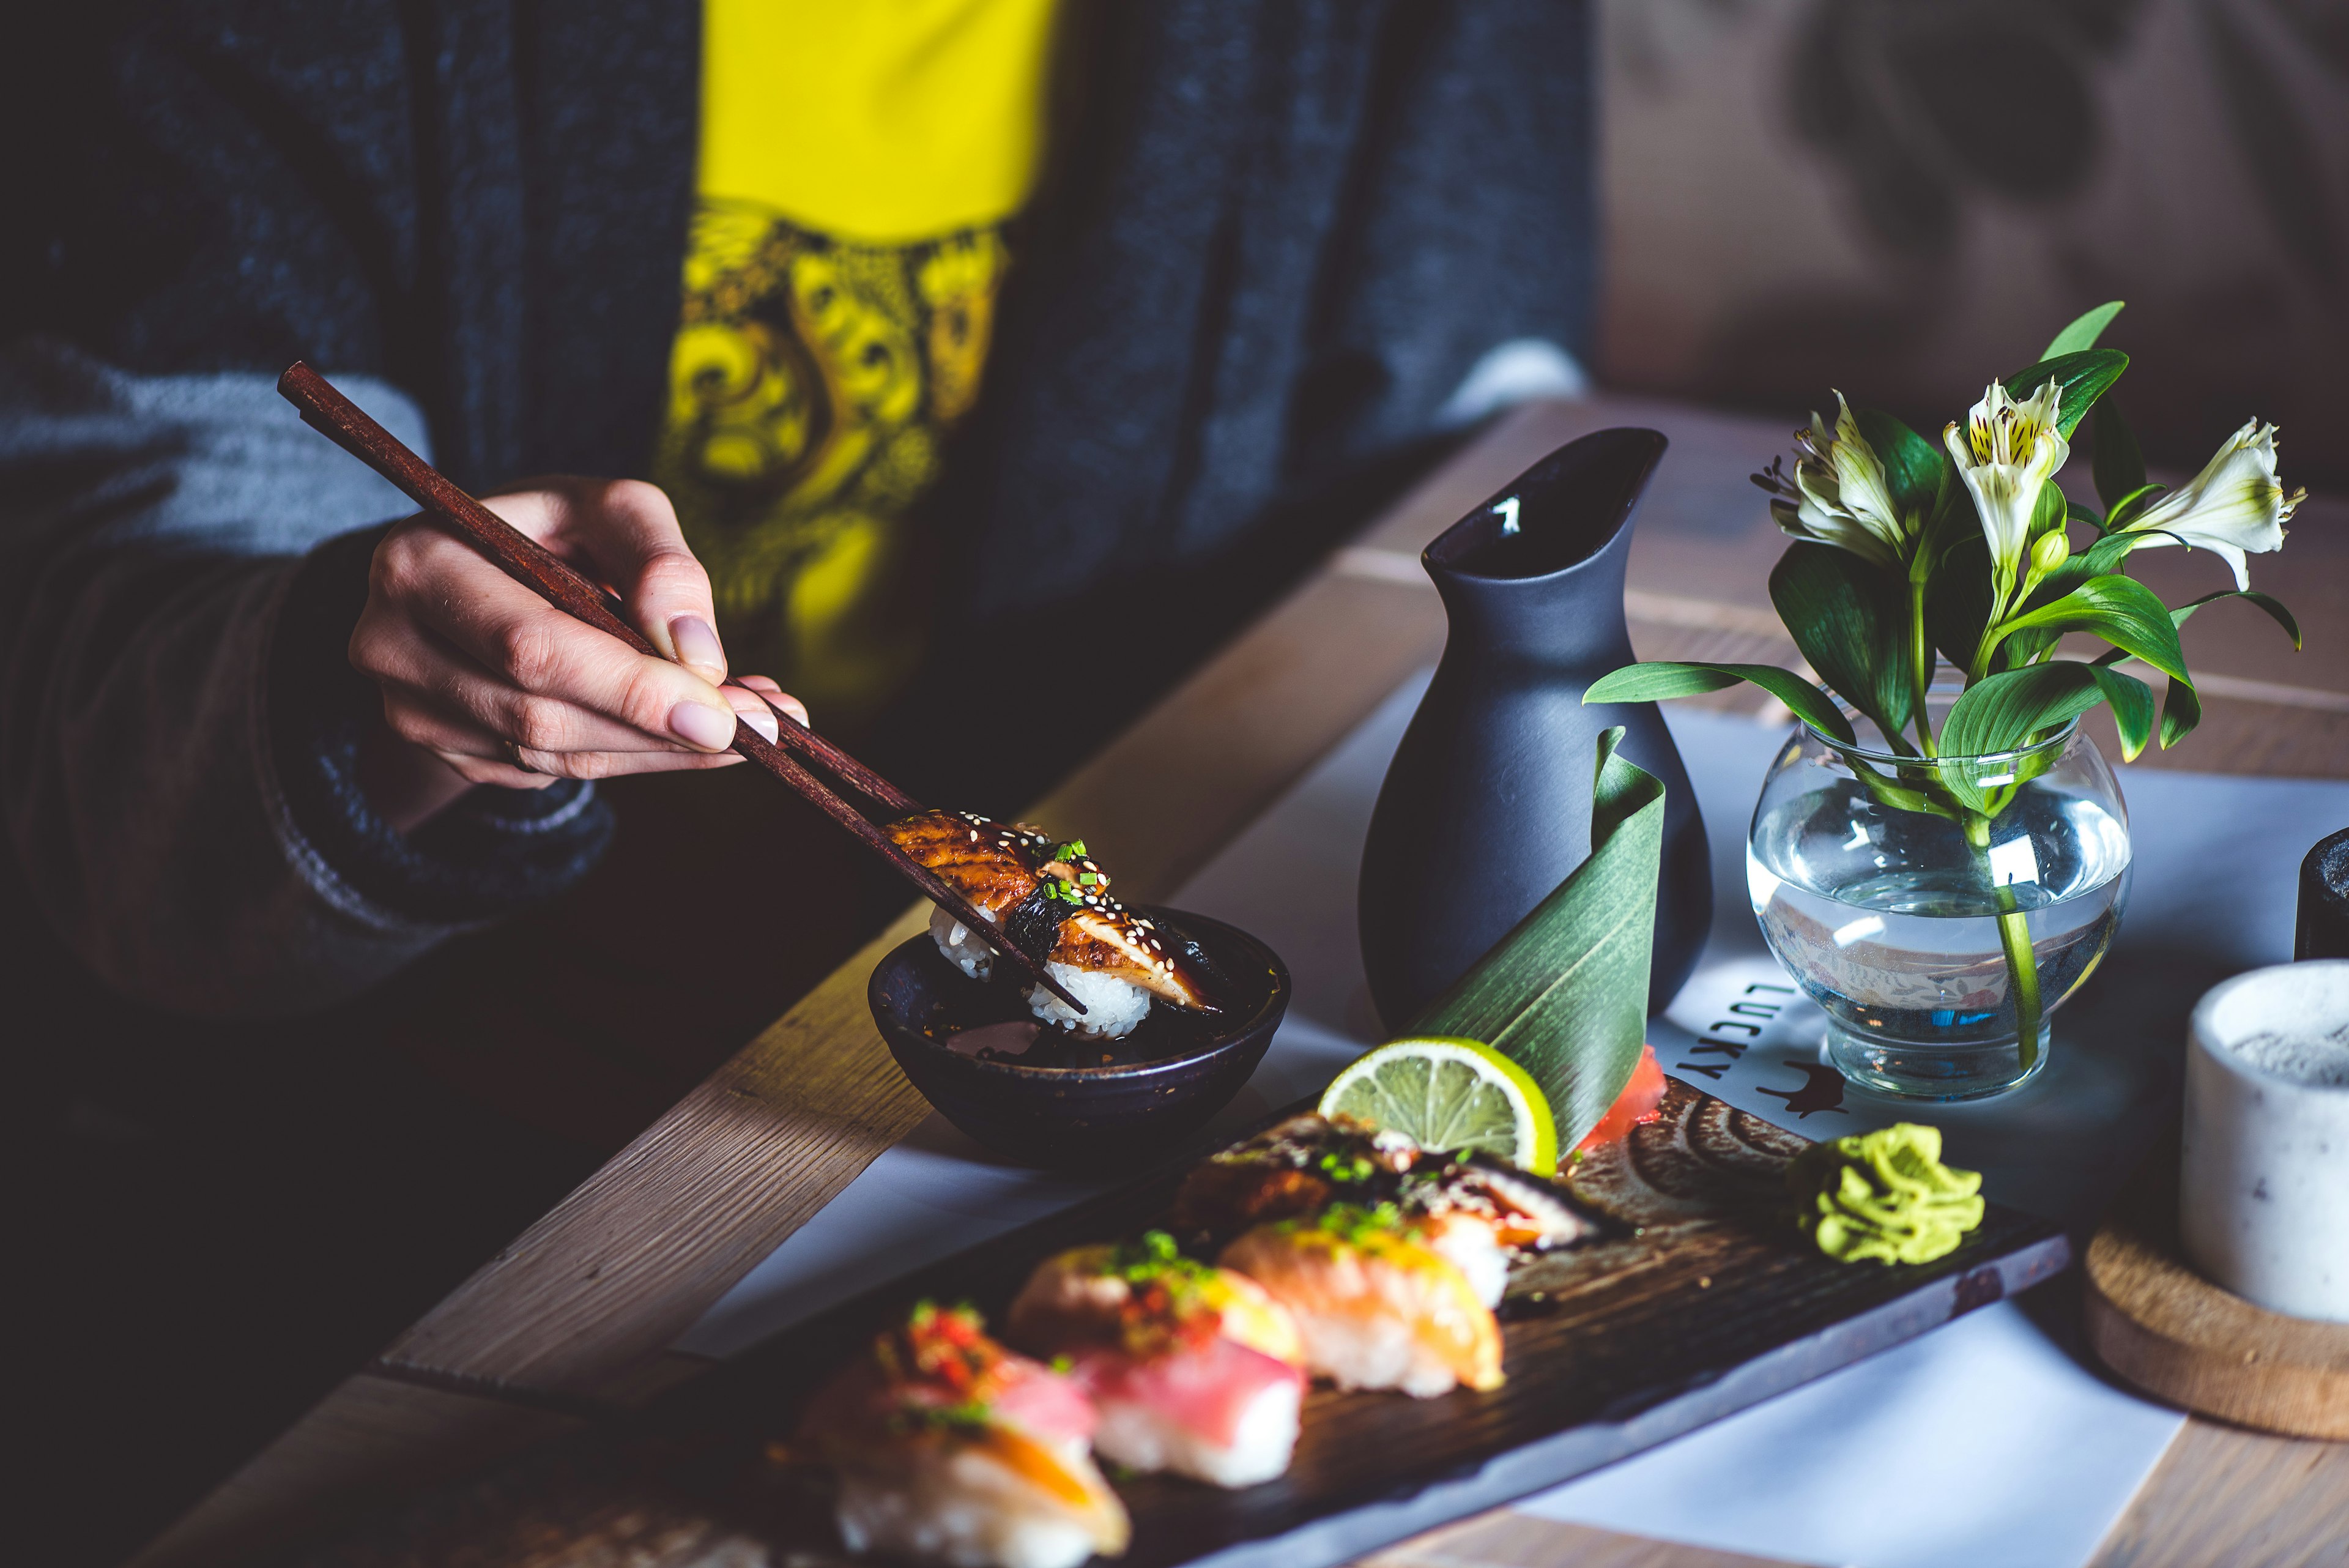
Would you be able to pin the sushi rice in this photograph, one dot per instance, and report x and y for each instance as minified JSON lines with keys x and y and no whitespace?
{"x":1258,"y":1449}
{"x":1470,"y":1244}
{"x":1191,"y":1368}
{"x":968,"y":1508}
{"x":950,"y":1449}
{"x":1377,"y":1307}
{"x":962,"y":947}
{"x":1113,"y":1006}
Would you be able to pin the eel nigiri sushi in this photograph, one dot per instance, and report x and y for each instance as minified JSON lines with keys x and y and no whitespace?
{"x":1192,"y":1368}
{"x":950,"y":1449}
{"x":1376,"y":1306}
{"x":1480,"y":1213}
{"x":1051,"y":898}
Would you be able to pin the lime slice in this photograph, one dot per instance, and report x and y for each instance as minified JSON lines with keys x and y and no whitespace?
{"x":1450,"y":1094}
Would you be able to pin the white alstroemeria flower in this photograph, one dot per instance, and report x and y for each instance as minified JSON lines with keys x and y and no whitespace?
{"x":2005,"y":456}
{"x":1838,"y":493}
{"x":2235,"y":504}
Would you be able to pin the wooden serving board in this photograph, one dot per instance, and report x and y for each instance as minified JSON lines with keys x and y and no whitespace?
{"x":1713,"y":1305}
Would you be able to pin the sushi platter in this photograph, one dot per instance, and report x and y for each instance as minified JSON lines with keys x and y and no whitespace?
{"x":1692,"y":1301}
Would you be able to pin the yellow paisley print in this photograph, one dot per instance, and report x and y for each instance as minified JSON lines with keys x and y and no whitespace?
{"x":859,"y":164}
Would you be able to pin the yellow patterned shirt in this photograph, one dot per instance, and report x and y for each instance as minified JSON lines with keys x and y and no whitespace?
{"x":859,"y":162}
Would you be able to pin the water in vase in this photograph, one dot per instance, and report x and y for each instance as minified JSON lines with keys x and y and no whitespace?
{"x":1888,"y":918}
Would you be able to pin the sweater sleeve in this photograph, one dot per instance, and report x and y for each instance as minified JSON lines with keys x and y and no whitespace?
{"x":181,"y":563}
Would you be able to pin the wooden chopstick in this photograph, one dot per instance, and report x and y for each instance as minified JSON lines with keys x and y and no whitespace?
{"x":539,"y":569}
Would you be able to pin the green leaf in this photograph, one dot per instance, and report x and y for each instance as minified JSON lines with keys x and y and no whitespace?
{"x":1850,"y":621}
{"x":2084,"y":331}
{"x":1656,"y":680}
{"x":2052,"y":509}
{"x":2129,"y":507}
{"x":2274,"y":608}
{"x":1912,"y":465}
{"x":2008,"y":711}
{"x":2026,"y":647}
{"x":2132,"y":704}
{"x":1958,"y":598}
{"x":2181,"y":710}
{"x":1565,"y":995}
{"x":2083,"y":376}
{"x":2106,"y":555}
{"x":2121,"y":610}
{"x":2102,"y":558}
{"x":2004,"y":712}
{"x":2118,"y":466}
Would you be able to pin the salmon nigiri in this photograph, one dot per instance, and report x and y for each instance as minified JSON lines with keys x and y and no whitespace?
{"x":1376,"y":1305}
{"x":1192,"y":1368}
{"x":951,"y":1449}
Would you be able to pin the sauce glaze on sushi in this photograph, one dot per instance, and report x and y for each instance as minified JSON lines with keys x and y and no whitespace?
{"x":1052,"y":900}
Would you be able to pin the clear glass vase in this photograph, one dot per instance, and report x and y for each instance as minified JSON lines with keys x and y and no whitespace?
{"x":1938,"y":910}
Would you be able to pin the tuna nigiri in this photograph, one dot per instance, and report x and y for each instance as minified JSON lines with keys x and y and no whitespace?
{"x":1052,"y":900}
{"x":950,"y":1449}
{"x":1376,"y":1306}
{"x":1192,"y":1368}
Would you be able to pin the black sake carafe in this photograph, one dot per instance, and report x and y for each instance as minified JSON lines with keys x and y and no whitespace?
{"x":1486,"y":805}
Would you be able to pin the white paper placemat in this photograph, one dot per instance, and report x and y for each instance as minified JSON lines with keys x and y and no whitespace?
{"x":2027,"y":1458}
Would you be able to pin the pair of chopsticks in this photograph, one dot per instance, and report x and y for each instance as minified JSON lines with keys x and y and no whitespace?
{"x":539,"y":569}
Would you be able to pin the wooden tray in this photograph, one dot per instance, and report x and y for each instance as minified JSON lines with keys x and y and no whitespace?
{"x":1713,"y":1306}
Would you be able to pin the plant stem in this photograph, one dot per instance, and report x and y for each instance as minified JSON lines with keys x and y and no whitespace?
{"x":2014,"y":939}
{"x":2022,"y":967}
{"x":1992,"y":633}
{"x":1921,"y":664}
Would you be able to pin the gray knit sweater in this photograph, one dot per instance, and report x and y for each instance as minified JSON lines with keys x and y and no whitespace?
{"x":1281,"y":239}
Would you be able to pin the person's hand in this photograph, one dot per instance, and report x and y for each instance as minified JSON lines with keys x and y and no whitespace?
{"x":486,"y":684}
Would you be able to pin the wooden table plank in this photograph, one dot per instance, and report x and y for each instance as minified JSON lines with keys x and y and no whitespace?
{"x":580,"y":1309}
{"x":367,"y":1444}
{"x":1506,"y":1539}
{"x":2225,"y":1495}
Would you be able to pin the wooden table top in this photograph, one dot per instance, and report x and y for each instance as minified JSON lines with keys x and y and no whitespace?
{"x":575,"y":1316}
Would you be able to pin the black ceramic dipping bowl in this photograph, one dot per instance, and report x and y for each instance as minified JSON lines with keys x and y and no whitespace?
{"x":1161,"y":1083}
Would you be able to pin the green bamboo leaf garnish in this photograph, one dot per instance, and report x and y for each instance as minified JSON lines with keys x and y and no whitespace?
{"x":1565,"y":995}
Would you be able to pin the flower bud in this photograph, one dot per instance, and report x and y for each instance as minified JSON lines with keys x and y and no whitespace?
{"x":2049,"y":551}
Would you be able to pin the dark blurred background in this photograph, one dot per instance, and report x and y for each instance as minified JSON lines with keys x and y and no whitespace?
{"x":1905,"y":197}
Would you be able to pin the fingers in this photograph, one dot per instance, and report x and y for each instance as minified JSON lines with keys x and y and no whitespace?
{"x":752,"y":709}
{"x":473,"y":665}
{"x":482,"y":757}
{"x":548,"y":676}
{"x":767,"y":689}
{"x":627,"y":532}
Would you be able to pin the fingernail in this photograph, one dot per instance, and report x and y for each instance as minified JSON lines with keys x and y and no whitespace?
{"x":755,"y":713}
{"x":785,"y":700}
{"x":698,"y":646}
{"x":700,"y":724}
